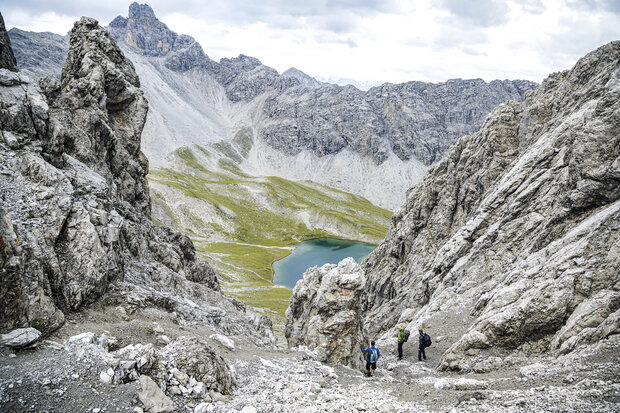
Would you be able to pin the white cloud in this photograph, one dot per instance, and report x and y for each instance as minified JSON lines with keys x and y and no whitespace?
{"x":370,"y":40}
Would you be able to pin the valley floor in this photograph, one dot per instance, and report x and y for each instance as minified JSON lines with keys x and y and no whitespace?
{"x":63,"y":377}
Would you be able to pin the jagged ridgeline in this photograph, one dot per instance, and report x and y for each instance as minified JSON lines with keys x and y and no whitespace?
{"x":75,"y":215}
{"x":513,"y":240}
{"x":375,"y":143}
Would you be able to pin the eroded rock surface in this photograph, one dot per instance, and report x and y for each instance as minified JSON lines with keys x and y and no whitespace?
{"x":75,"y":211}
{"x":324,"y":313}
{"x":513,"y":240}
{"x":7,"y":58}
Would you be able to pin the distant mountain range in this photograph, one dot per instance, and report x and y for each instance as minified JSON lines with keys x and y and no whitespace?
{"x":376,"y":143}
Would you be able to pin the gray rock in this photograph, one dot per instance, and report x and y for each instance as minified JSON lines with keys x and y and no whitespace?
{"x":324,"y":313}
{"x":75,"y":215}
{"x":20,"y":337}
{"x":39,"y":54}
{"x":7,"y":59}
{"x":516,"y":229}
{"x":152,"y":398}
{"x":413,"y":120}
{"x":304,"y":79}
{"x":195,"y":359}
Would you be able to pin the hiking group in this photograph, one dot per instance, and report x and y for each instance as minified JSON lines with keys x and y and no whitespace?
{"x":372,"y":353}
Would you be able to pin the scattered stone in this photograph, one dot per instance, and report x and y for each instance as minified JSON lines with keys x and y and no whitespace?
{"x":224,"y":341}
{"x":83,"y":338}
{"x":152,"y":398}
{"x":21,"y":337}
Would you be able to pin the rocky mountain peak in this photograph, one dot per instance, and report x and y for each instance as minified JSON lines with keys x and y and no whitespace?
{"x":304,"y":79}
{"x":143,"y":32}
{"x":141,"y":11}
{"x":242,"y":62}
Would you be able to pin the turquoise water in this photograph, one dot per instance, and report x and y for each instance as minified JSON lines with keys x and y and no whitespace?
{"x":316,"y":252}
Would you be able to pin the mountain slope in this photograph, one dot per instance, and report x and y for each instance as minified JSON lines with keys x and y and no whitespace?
{"x":376,"y":144}
{"x":513,"y":240}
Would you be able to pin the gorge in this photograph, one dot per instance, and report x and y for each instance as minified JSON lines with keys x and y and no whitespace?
{"x":506,"y":251}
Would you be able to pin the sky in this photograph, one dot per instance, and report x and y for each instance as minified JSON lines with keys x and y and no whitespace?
{"x":369,"y":41}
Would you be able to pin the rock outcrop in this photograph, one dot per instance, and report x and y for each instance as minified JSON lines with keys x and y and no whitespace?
{"x":513,"y":240}
{"x":75,"y":209}
{"x":324,"y":313}
{"x":7,"y":58}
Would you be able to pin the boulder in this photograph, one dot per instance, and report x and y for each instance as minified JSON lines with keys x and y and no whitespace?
{"x":193,"y":358}
{"x":224,"y":341}
{"x":152,"y":398}
{"x":325,"y":313}
{"x":20,"y":337}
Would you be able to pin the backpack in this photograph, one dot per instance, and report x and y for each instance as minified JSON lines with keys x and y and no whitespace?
{"x":427,"y":340}
{"x":406,"y":332}
{"x":373,"y":355}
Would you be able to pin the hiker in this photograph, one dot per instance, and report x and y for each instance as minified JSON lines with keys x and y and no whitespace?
{"x":372,"y":355}
{"x":402,"y":337}
{"x":425,"y":341}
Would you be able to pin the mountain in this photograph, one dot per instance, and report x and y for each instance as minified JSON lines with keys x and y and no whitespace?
{"x":304,"y":79}
{"x":376,"y":144}
{"x":39,"y":54}
{"x":75,"y":220}
{"x":512,"y":240}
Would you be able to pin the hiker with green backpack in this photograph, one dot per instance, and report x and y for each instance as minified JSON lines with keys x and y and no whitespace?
{"x":372,"y":355}
{"x":403,"y":336}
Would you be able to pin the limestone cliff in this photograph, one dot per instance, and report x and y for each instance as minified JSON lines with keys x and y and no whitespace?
{"x":74,"y":217}
{"x":513,"y":240}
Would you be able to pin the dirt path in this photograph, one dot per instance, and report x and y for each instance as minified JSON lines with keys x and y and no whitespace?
{"x":52,"y":378}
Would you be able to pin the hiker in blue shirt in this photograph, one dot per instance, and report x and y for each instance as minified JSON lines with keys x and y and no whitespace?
{"x":372,"y":355}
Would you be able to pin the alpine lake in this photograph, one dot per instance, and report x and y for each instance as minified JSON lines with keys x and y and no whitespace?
{"x":290,"y":269}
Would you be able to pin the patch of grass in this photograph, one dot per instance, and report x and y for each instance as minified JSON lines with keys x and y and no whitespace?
{"x":243,"y":141}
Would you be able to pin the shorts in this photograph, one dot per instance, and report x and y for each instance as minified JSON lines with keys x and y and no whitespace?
{"x":370,"y":365}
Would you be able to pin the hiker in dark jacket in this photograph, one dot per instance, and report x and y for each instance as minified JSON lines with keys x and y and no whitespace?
{"x":422,"y":346}
{"x":372,"y":355}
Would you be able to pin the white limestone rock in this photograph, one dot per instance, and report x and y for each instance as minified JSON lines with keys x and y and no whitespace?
{"x":224,"y":341}
{"x":20,"y":337}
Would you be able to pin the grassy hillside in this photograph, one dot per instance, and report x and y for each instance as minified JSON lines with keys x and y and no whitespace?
{"x":242,"y":224}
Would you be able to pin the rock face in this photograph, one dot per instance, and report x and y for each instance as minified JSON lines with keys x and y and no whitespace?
{"x":513,"y":240}
{"x":7,"y":58}
{"x":324,"y":313}
{"x":412,"y":120}
{"x":39,"y":54}
{"x":383,"y":139}
{"x":75,"y":205}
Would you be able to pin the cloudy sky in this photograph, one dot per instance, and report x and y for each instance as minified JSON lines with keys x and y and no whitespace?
{"x":369,"y":40}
